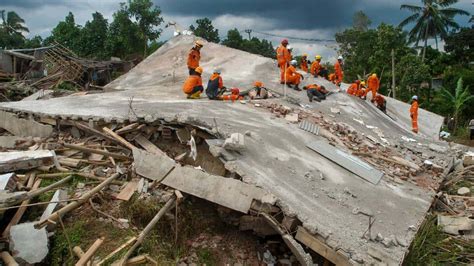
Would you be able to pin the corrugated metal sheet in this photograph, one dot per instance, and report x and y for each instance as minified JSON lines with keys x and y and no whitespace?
{"x":310,"y":127}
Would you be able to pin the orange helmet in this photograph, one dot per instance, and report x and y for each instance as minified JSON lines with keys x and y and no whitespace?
{"x":198,"y":70}
{"x":258,"y":84}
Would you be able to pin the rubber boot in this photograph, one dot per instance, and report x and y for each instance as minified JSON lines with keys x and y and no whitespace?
{"x":196,"y":95}
{"x":289,"y":85}
{"x":297,"y":88}
{"x":310,"y":96}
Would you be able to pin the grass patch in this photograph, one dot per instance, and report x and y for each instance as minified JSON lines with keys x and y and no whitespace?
{"x":205,"y":257}
{"x":432,"y":246}
{"x":59,"y":253}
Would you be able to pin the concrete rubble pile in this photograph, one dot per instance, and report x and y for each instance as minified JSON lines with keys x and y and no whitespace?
{"x":338,"y":181}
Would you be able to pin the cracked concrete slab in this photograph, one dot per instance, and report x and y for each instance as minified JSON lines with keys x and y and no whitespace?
{"x":276,"y":158}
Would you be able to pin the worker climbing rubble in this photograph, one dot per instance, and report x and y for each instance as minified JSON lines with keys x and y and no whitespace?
{"x":215,"y":85}
{"x":304,"y":63}
{"x":193,"y":84}
{"x":283,"y":59}
{"x":316,"y":92}
{"x":194,"y":56}
{"x":414,"y":113}
{"x":373,"y":84}
{"x":257,"y":92}
{"x":338,"y":69}
{"x":353,"y":88}
{"x":292,"y":76}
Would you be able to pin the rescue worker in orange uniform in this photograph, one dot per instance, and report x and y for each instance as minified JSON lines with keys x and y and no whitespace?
{"x":316,"y":66}
{"x":316,"y":92}
{"x":193,"y":84}
{"x":414,"y":113}
{"x":373,"y":84}
{"x":194,"y":56}
{"x":361,"y":91}
{"x":283,"y":58}
{"x":332,"y":78}
{"x":292,"y":77}
{"x":381,"y":103}
{"x":215,"y":85}
{"x":304,"y":63}
{"x":338,"y":66}
{"x":352,"y":90}
{"x":234,"y":95}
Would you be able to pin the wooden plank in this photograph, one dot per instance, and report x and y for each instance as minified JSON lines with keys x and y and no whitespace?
{"x":321,"y":248}
{"x":89,"y":150}
{"x":148,"y":145}
{"x":122,"y":141}
{"x":127,"y":191}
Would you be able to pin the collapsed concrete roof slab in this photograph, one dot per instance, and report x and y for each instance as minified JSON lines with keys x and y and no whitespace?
{"x":276,"y":158}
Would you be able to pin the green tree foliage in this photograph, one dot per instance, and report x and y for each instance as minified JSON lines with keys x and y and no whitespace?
{"x":34,"y":42}
{"x":11,"y":30}
{"x":147,"y":17}
{"x":411,"y":73}
{"x":360,"y":21}
{"x":123,"y":38}
{"x":458,"y":100}
{"x":94,"y":37}
{"x":256,"y":46}
{"x":67,"y":33}
{"x":205,"y":30}
{"x":461,"y":45}
{"x":432,"y":20}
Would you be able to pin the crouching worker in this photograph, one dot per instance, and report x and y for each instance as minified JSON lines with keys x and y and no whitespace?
{"x":215,"y":86}
{"x":193,"y":85}
{"x":292,"y":77}
{"x":316,"y":92}
{"x":381,"y":103}
{"x":361,"y":91}
{"x":352,"y":90}
{"x":257,"y":92}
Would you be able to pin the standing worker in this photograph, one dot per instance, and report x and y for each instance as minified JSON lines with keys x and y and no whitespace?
{"x":373,"y":84}
{"x":193,"y":85}
{"x":194,"y":56}
{"x":304,"y":63}
{"x":215,"y":86}
{"x":283,"y":58}
{"x":414,"y":113}
{"x":292,"y":77}
{"x":338,"y":66}
{"x":316,"y":66}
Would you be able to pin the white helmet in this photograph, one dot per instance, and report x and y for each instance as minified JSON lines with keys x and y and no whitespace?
{"x":218,"y":71}
{"x":414,"y":97}
{"x":293,"y":62}
{"x":339,"y":57}
{"x":289,"y":47}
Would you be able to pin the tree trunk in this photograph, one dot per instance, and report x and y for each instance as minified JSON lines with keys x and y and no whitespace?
{"x":393,"y":75}
{"x":144,"y":50}
{"x":426,"y":44}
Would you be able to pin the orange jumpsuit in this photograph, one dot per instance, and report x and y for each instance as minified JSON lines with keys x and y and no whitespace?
{"x":315,"y":68}
{"x":414,"y":116}
{"x":338,"y":72}
{"x":304,"y":65}
{"x":352,"y":90}
{"x":292,"y":77}
{"x":283,"y":58}
{"x":332,"y":78}
{"x":360,"y":92}
{"x":192,"y":83}
{"x":373,"y":86}
{"x":193,"y":58}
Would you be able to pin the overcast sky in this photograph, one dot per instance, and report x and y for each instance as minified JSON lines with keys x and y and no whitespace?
{"x":319,"y":19}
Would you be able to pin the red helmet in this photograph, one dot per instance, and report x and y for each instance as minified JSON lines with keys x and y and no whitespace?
{"x":285,"y":41}
{"x":235,"y":91}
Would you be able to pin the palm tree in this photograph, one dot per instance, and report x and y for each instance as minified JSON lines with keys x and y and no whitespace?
{"x":458,"y":100}
{"x":12,"y":24}
{"x":434,"y":18}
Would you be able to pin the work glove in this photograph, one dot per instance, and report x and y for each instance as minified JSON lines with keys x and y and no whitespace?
{"x":302,"y":77}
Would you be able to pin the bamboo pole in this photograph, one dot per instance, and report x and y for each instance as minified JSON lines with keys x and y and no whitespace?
{"x":73,"y":205}
{"x":89,"y":150}
{"x":169,"y":204}
{"x":90,"y":252}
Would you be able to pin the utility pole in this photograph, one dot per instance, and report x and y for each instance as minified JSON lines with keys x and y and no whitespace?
{"x":248,"y":31}
{"x":393,"y":74}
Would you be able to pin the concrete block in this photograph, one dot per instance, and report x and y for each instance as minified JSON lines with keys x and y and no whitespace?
{"x":8,"y":181}
{"x":437,"y":148}
{"x":235,"y":142}
{"x":468,"y":159}
{"x":9,"y":142}
{"x":23,"y":127}
{"x":453,"y":225}
{"x":152,"y":166}
{"x":21,"y":160}
{"x":28,"y":245}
